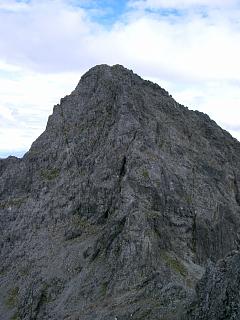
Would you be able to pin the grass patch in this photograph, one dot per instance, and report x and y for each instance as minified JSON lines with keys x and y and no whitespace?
{"x":152,"y":214}
{"x":145,"y":174}
{"x":174,"y":264}
{"x":2,"y":272}
{"x":12,"y":297}
{"x":24,"y":271}
{"x":188,"y":199}
{"x":103,"y":289}
{"x":14,"y":202}
{"x":34,"y":152}
{"x":83,"y":225}
{"x":15,"y":316}
{"x":49,"y":174}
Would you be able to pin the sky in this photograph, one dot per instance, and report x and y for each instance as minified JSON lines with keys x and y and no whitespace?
{"x":189,"y":47}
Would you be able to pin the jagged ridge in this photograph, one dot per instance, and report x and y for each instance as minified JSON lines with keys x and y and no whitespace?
{"x":118,"y":205}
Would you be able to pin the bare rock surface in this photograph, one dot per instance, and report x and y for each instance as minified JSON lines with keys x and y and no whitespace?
{"x":118,"y":206}
{"x":218,"y":295}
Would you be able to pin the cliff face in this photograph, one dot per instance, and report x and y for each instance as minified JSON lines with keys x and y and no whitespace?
{"x":218,"y":294}
{"x":117,"y":207}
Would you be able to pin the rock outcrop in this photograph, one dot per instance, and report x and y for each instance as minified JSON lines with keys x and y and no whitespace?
{"x":118,"y":206}
{"x":218,"y":295}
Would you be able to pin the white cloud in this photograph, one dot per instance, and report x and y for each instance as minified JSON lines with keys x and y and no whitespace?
{"x":50,"y":36}
{"x":12,"y":5}
{"x":25,"y":104}
{"x":189,"y":50}
{"x":55,"y":37}
{"x":181,"y":4}
{"x":209,"y":98}
{"x":46,"y":45}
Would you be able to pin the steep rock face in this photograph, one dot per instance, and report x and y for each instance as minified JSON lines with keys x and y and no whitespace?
{"x":218,"y":295}
{"x":118,"y":205}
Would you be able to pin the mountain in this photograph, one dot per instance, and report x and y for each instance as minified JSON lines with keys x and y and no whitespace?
{"x":118,"y":209}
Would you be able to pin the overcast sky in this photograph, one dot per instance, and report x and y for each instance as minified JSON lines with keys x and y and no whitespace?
{"x":189,"y":47}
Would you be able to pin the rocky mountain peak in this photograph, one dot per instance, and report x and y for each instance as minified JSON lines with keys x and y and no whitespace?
{"x":105,"y":72}
{"x":114,"y":78}
{"x":118,"y":206}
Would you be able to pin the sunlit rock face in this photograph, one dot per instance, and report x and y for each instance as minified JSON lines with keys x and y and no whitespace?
{"x":118,"y":206}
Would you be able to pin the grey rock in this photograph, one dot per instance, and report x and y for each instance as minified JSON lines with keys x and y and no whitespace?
{"x":117,"y":207}
{"x":218,"y":295}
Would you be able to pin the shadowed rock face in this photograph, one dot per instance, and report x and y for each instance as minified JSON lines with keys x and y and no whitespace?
{"x":218,"y":294}
{"x":118,"y":205}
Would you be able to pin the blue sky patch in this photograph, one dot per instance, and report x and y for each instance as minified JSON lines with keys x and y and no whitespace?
{"x":166,"y":12}
{"x":105,"y":12}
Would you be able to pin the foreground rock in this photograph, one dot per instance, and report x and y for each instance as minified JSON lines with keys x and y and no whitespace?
{"x":218,"y":295}
{"x":117,"y":207}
